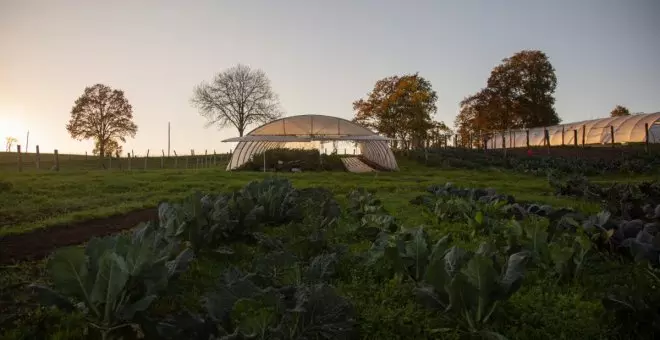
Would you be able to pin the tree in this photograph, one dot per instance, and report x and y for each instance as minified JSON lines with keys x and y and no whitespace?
{"x":438,"y":135}
{"x":102,"y":114}
{"x":399,"y":107}
{"x":9,"y":142}
{"x":518,"y":95}
{"x":112,"y":148}
{"x":525,"y":84}
{"x":620,"y":111}
{"x":237,"y":97}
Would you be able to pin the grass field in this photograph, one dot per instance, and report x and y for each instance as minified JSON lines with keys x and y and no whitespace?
{"x":384,"y":305}
{"x":73,"y":162}
{"x":35,"y":200}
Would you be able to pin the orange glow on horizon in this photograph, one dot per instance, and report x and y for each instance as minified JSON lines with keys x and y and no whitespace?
{"x":12,"y":124}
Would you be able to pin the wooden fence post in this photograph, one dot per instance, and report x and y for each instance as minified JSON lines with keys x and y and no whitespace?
{"x":37,"y":159}
{"x":214,"y":163}
{"x":563,"y":131}
{"x":162,"y":159}
{"x":584,"y":134}
{"x":575,"y":136}
{"x":146,"y":159}
{"x":57,"y":161}
{"x":612,"y":134}
{"x":110,"y":162}
{"x":85,"y":155}
{"x":547,"y":139}
{"x":176,"y":160}
{"x":20,"y":158}
{"x":129,"y":162}
{"x":527,"y":133}
{"x":187,"y":158}
{"x":646,"y":137}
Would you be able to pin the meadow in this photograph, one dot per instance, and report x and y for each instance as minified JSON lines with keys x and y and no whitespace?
{"x":372,"y":259}
{"x":34,"y":199}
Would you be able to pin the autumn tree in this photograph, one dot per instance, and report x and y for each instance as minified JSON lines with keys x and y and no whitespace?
{"x":620,"y":111}
{"x":9,"y":142}
{"x":103,"y":114}
{"x":518,"y":95}
{"x":113,"y":148}
{"x":238,"y":97}
{"x":399,"y":107}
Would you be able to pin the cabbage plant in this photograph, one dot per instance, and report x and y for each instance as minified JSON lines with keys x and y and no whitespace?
{"x":469,"y":286}
{"x":113,"y":278}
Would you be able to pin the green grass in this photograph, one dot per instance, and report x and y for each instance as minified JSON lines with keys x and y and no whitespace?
{"x":71,"y":162}
{"x":34,"y":200}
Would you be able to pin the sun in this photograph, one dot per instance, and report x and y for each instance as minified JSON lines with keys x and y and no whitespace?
{"x":11,"y":123}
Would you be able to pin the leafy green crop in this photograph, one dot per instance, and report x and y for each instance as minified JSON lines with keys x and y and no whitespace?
{"x":114,"y":277}
{"x":469,"y":286}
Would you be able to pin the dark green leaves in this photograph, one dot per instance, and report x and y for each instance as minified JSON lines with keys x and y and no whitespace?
{"x":469,"y":285}
{"x":114,"y":277}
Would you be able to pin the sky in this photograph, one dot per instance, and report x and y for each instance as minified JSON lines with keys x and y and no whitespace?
{"x":320,"y":56}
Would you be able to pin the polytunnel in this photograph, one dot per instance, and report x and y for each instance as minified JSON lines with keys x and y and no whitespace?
{"x":627,"y":129}
{"x":310,"y":132}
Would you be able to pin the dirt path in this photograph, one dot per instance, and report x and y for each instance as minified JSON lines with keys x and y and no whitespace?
{"x":41,"y":242}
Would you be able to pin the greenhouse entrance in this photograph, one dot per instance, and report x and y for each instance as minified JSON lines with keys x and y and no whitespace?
{"x":311,"y":135}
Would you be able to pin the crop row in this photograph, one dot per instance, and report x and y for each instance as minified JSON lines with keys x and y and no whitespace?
{"x":538,"y":163}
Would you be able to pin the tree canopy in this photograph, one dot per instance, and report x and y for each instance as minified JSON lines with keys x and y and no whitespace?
{"x":620,"y":111}
{"x":103,"y":114}
{"x":401,"y":107}
{"x":239,"y":97}
{"x":518,"y":95}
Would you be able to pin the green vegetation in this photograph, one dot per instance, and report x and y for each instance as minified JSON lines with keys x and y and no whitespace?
{"x":34,"y":200}
{"x":69,"y":162}
{"x":632,"y":161}
{"x":305,"y":160}
{"x":271,"y":260}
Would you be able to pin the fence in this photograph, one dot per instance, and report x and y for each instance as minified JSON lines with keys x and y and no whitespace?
{"x":593,"y":133}
{"x":55,"y":161}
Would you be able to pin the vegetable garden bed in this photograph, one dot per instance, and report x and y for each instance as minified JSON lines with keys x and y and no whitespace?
{"x":270,"y":261}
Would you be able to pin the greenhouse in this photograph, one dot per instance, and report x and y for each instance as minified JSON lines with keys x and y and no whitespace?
{"x":637,"y":128}
{"x":312,"y":132}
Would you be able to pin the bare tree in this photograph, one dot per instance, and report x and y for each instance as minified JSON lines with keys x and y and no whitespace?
{"x":9,"y":142}
{"x":238,"y":96}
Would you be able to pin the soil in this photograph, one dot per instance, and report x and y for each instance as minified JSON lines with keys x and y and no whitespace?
{"x":40,"y":243}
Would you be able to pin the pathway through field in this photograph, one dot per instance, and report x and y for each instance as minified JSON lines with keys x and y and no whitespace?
{"x":41,"y":242}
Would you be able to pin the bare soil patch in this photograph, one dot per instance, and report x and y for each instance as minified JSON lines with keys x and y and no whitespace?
{"x":41,"y":242}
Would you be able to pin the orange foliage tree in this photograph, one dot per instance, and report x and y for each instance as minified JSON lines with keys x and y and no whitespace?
{"x":103,"y":114}
{"x":401,"y":107}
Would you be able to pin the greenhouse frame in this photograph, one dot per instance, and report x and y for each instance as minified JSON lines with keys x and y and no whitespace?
{"x":310,"y":132}
{"x":636,"y":128}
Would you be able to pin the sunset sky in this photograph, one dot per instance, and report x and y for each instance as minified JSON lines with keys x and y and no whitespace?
{"x":319,"y":55}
